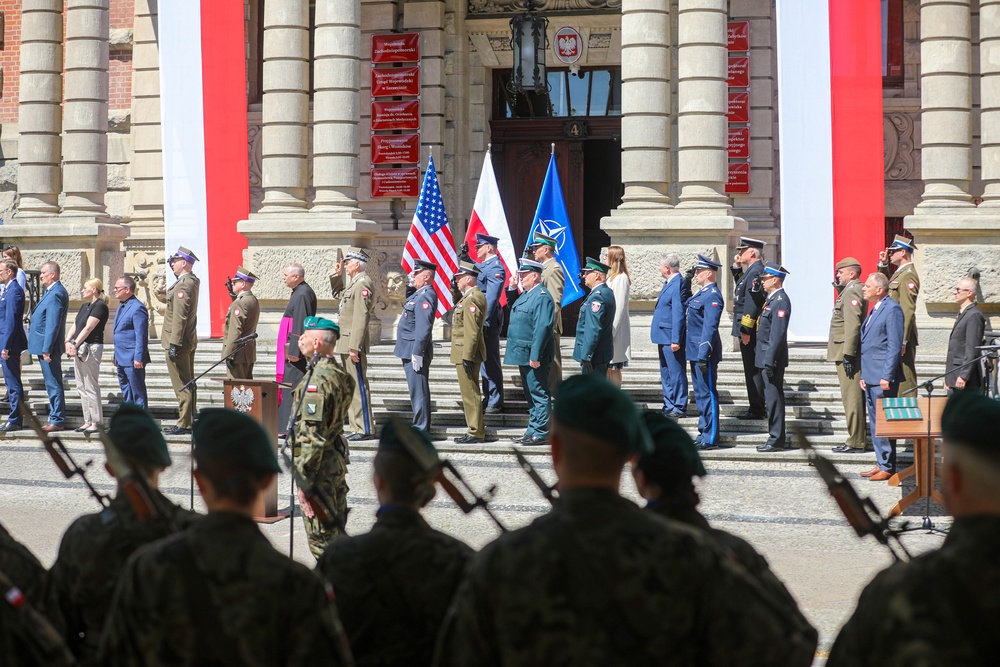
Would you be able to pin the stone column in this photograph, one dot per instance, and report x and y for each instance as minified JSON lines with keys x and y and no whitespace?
{"x":85,"y":146}
{"x":285,"y":137}
{"x":989,"y":87}
{"x":946,"y":102}
{"x":146,"y":134}
{"x":336,"y":106}
{"x":39,"y":112}
{"x":702,"y":129}
{"x":646,"y":103}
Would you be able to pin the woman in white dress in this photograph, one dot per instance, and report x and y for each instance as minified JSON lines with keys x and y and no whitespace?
{"x":621,"y":285}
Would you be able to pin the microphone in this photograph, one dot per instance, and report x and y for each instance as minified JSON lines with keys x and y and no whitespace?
{"x":245,"y":339}
{"x":312,"y":362}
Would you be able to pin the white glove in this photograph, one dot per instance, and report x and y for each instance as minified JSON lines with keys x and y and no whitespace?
{"x":417,"y":361}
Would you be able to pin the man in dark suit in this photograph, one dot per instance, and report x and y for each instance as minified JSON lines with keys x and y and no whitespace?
{"x":881,"y":350}
{"x":12,"y":340}
{"x":747,"y":269}
{"x":667,"y":332}
{"x":413,"y":341}
{"x":47,"y":339}
{"x":771,"y":355}
{"x":131,"y":342}
{"x":594,"y":346}
{"x":965,"y":336}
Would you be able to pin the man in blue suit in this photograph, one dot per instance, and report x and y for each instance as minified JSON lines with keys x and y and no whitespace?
{"x":12,"y":340}
{"x":492,"y":278}
{"x":881,"y":350}
{"x":131,"y":335}
{"x":413,"y":341}
{"x":667,"y":332}
{"x":47,"y":340}
{"x":704,"y":349}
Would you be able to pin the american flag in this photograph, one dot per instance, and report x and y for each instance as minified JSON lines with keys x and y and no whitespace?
{"x":430,"y":239}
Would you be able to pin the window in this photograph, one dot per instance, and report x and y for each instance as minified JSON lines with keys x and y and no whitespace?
{"x":892,"y":43}
{"x":589,"y":92}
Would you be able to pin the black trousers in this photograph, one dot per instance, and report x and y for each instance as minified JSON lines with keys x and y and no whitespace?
{"x":774,"y":398}
{"x":752,"y":375}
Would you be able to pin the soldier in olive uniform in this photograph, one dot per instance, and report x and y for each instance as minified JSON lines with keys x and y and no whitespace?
{"x":598,"y":581}
{"x":350,"y":281}
{"x":241,"y":320}
{"x":413,"y":340}
{"x":746,"y":269}
{"x":394,"y":584}
{"x":904,"y":286}
{"x":594,"y":346}
{"x":95,"y":547}
{"x":554,"y":282}
{"x":771,"y":354}
{"x":942,"y":608}
{"x":468,"y":349}
{"x":844,"y":349}
{"x":322,"y":455}
{"x":179,"y":336}
{"x":219,"y":593}
{"x":529,"y":347}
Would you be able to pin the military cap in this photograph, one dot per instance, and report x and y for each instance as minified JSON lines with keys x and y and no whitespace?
{"x":773,"y":269}
{"x":903,"y":243}
{"x":542,"y":239}
{"x":424,"y":265}
{"x":314,"y":323}
{"x":706,"y":263}
{"x":972,"y":419}
{"x":848,"y":262}
{"x":674,"y":457}
{"x":591,"y":264}
{"x":747,"y":242}
{"x":137,"y":436}
{"x":467,"y":268}
{"x":235,"y":439}
{"x":358,"y":254}
{"x":182,"y":253}
{"x":245,"y":275}
{"x":529,"y":265}
{"x":486,"y":239}
{"x":398,"y":436}
{"x":591,"y":404}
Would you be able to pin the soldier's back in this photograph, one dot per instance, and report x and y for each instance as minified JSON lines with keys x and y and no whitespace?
{"x":23,"y":570}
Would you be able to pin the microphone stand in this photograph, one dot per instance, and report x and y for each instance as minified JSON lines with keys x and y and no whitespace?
{"x":192,"y":387}
{"x":293,"y":419}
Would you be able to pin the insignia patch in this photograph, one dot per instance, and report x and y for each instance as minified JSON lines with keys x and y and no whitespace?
{"x":767,"y":308}
{"x":596,"y":306}
{"x":312,"y":389}
{"x":410,"y":303}
{"x":180,"y":295}
{"x":912,"y":285}
{"x":310,"y":409}
{"x":499,"y":275}
{"x":715,"y":303}
{"x":854,"y":302}
{"x":236,"y":312}
{"x":472,"y":308}
{"x":425,"y":305}
{"x":781,"y":313}
{"x":365,"y":293}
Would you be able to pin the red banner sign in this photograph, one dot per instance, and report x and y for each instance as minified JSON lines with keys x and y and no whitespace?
{"x":739,"y":108}
{"x":396,"y":48}
{"x":738,"y":38}
{"x":739,"y":72}
{"x":739,"y":143}
{"x":396,"y":182}
{"x":391,"y":81}
{"x":395,"y":148}
{"x":396,"y":115}
{"x":739,"y":178}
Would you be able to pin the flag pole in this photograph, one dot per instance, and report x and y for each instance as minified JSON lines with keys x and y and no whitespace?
{"x":553,"y":148}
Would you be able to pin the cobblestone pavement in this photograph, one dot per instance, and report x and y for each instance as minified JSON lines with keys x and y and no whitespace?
{"x":782,"y":508}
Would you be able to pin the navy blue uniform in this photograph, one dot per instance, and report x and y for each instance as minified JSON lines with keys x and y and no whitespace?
{"x":413,"y":338}
{"x":491,"y":281}
{"x":530,"y":338}
{"x":744,"y":303}
{"x":704,"y":311}
{"x":594,"y":329}
{"x":772,"y":352}
{"x":668,"y":328}
{"x":13,"y":340}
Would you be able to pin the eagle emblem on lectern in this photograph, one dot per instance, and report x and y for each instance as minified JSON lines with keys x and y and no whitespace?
{"x":242,"y":398}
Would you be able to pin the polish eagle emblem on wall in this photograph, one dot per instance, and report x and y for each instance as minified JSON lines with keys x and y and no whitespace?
{"x":242,"y":398}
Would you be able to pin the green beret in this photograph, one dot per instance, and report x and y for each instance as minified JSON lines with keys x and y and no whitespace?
{"x":591,"y":404}
{"x":398,"y":436}
{"x":674,"y":457}
{"x":234,"y":438}
{"x":974,"y":420}
{"x":313,"y":323}
{"x":138,"y":436}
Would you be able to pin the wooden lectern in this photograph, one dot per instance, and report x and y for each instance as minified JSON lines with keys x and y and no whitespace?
{"x":923,"y":449}
{"x":258,"y":399}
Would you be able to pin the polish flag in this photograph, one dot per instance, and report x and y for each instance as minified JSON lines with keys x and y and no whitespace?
{"x":203,"y":111}
{"x":831,"y":143}
{"x":488,"y":217}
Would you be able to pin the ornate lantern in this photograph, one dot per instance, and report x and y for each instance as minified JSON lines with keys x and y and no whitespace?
{"x":529,"y":41}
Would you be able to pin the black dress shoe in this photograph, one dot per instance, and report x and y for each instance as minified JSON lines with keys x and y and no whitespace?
{"x":356,"y":437}
{"x":675,"y":414}
{"x":176,"y":430}
{"x":705,"y":446}
{"x":847,"y":449}
{"x":468,"y":439}
{"x":495,"y":410}
{"x":530,"y":440}
{"x":10,"y":427}
{"x":771,"y":448}
{"x":750,"y":414}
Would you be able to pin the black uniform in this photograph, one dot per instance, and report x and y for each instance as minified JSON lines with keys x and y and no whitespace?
{"x":772,"y":354}
{"x":301,"y":304}
{"x":744,"y":304}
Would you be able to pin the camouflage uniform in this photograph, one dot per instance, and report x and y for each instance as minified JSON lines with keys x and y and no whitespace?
{"x":598,"y":581}
{"x":220,"y":594}
{"x":394,"y":585}
{"x":941,"y":608}
{"x":321,"y":455}
{"x":91,"y":558}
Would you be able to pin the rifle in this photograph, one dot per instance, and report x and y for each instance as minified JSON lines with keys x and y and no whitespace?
{"x":46,"y":645}
{"x":321,"y":505}
{"x":861,"y":513}
{"x":61,"y":456}
{"x":551,"y":493}
{"x":144,"y":500}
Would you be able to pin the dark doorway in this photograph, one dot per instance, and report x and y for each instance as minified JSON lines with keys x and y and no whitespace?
{"x":602,"y":191}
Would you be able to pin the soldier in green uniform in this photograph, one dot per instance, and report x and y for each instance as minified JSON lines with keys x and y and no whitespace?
{"x":350,"y":281}
{"x":594,"y":346}
{"x":241,"y":320}
{"x":468,"y":349}
{"x":179,"y":336}
{"x":95,"y":547}
{"x":219,"y":593}
{"x":598,"y":581}
{"x":529,"y":347}
{"x":394,"y":584}
{"x":554,"y":281}
{"x":942,"y":607}
{"x":322,"y":454}
{"x":844,"y":349}
{"x":904,"y":286}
